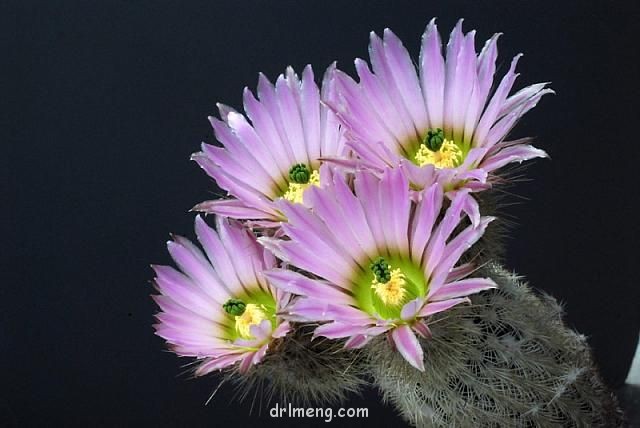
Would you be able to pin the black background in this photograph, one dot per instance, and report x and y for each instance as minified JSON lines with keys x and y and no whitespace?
{"x":106,"y":100}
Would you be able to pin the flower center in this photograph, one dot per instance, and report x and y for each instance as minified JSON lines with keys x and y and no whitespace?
{"x":253,"y":315}
{"x":438,"y":151}
{"x":300,"y":179}
{"x":245,"y":315}
{"x":388,"y":285}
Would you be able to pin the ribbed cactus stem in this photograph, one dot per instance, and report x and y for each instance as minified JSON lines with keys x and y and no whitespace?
{"x":507,"y":360}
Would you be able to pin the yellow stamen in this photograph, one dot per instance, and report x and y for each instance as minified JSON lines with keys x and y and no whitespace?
{"x":253,"y":315}
{"x":391,"y":292}
{"x":448,"y":156}
{"x":296,"y":191}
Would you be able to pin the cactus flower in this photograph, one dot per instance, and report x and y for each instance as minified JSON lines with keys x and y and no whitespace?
{"x":443,"y":118}
{"x":220,"y":309}
{"x":273,"y":153}
{"x":382,"y":262}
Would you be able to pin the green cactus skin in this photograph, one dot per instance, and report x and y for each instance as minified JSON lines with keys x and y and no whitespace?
{"x":506,"y":360}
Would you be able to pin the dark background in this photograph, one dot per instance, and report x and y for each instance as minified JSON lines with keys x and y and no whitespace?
{"x":105,"y":101}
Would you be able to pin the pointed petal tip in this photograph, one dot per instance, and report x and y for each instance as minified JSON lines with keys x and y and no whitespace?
{"x":263,"y":80}
{"x":387,"y":32}
{"x":492,"y":285}
{"x":408,"y":345}
{"x":374,"y":38}
{"x":359,"y":63}
{"x":431,"y":28}
{"x":488,"y":219}
{"x":199,"y":222}
{"x":224,"y":110}
{"x":199,"y":207}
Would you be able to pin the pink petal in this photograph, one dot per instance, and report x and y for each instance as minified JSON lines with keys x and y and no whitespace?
{"x":454,"y":250}
{"x":261,"y":331}
{"x":424,"y":218}
{"x":493,"y":108}
{"x":407,"y":344}
{"x":192,"y":262}
{"x":230,"y":208}
{"x":357,"y":341}
{"x":259,"y":354}
{"x":406,"y":79}
{"x":411,"y":309}
{"x":422,"y":329}
{"x":218,"y":363}
{"x":461,"y":288}
{"x":281,"y":330}
{"x":246,"y":363}
{"x":460,"y":272}
{"x":432,"y":74}
{"x":323,"y":310}
{"x":517,"y":153}
{"x":435,"y":307}
{"x":436,"y":246}
{"x":385,"y":74}
{"x":296,"y":283}
{"x":337,"y":330}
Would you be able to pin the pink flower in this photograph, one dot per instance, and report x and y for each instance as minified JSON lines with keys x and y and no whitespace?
{"x":444,"y":118}
{"x":275,"y":152}
{"x":381,"y":261}
{"x":220,"y":309}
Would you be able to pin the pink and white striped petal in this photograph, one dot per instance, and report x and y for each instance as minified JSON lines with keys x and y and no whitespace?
{"x":407,"y":344}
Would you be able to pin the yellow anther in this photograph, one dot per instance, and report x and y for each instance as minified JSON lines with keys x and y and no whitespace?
{"x":448,"y":156}
{"x":296,"y":190}
{"x":393,"y":291}
{"x":253,"y":315}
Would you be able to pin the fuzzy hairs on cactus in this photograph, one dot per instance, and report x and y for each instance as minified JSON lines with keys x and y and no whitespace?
{"x":506,"y":360}
{"x":302,"y":370}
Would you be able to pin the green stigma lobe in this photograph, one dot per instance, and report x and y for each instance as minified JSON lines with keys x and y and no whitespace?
{"x":434,"y":139}
{"x":234,"y":307}
{"x":299,"y":173}
{"x":381,"y":270}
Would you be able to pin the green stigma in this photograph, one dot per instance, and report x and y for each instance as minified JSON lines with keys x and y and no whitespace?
{"x":434,"y":139}
{"x":234,"y":307}
{"x":381,"y":270}
{"x":299,"y":173}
